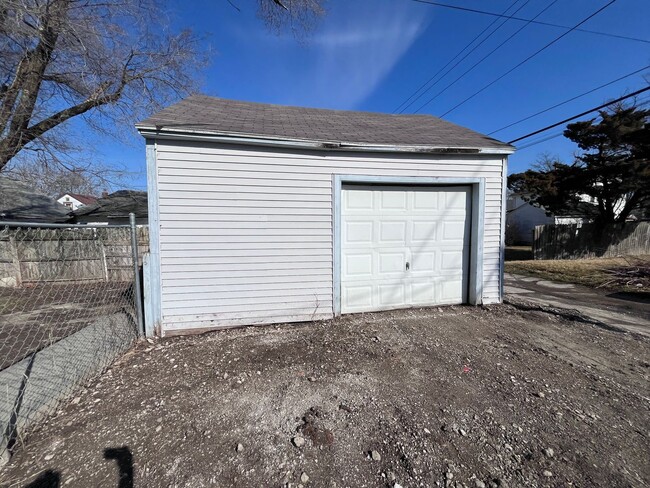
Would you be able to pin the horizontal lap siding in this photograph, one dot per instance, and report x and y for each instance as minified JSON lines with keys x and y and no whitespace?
{"x":246,"y":234}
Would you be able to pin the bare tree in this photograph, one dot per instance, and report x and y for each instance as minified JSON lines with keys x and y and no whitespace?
{"x":545,"y":161}
{"x":299,"y":16}
{"x":110,"y":61}
{"x":53,"y":178}
{"x":63,"y":58}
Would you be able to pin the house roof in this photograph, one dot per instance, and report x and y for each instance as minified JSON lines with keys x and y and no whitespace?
{"x":20,"y":202}
{"x":118,"y":204}
{"x":84,"y":199}
{"x":324,"y":129}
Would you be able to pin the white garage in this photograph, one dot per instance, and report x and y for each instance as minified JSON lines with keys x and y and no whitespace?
{"x":263,"y":214}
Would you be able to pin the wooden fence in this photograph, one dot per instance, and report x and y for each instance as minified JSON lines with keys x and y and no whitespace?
{"x":45,"y":255}
{"x":573,"y":241}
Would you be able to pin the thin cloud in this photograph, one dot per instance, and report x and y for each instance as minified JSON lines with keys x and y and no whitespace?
{"x":352,"y":58}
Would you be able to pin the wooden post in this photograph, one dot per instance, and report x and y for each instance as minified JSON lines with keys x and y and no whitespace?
{"x":13,"y":249}
{"x":103,"y":258}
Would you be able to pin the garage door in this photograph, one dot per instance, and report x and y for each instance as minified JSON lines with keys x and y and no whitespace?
{"x":404,"y":246}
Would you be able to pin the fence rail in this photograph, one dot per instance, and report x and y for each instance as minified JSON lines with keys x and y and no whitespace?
{"x":573,"y":241}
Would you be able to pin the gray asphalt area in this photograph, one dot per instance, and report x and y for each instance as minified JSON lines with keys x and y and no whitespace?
{"x":623,"y":311}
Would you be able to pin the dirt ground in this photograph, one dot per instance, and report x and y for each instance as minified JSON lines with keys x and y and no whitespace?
{"x":456,"y":396}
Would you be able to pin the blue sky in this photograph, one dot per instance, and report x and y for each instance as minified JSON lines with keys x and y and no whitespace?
{"x":373,"y":54}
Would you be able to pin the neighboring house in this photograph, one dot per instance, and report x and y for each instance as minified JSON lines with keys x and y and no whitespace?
{"x":578,"y":215}
{"x":74,"y":201}
{"x":114,"y":209}
{"x":20,"y":202}
{"x":521,"y":219}
{"x":569,"y":219}
{"x":588,"y":206}
{"x":263,"y":214}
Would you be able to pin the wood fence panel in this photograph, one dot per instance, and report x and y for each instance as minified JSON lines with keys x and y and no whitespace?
{"x":574,"y":241}
{"x":29,"y":256}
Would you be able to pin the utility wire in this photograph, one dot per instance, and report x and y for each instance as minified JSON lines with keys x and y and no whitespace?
{"x":484,"y":58}
{"x":620,"y":99}
{"x":409,"y":103}
{"x":521,"y":63}
{"x":539,"y":141}
{"x":494,"y":14}
{"x":569,"y":100}
{"x":639,"y":104}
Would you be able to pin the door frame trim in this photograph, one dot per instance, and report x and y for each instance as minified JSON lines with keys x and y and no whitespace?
{"x":477,"y":184}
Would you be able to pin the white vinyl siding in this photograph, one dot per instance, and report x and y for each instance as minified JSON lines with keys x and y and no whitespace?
{"x":246,"y":232}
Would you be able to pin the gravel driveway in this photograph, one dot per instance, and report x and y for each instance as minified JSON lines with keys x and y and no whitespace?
{"x":457,"y":396}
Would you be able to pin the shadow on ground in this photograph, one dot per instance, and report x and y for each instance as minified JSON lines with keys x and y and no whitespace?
{"x":416,"y":397}
{"x":122,"y":457}
{"x":518,"y":253}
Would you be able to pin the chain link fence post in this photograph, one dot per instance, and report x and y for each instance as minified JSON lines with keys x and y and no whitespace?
{"x":137,"y":296}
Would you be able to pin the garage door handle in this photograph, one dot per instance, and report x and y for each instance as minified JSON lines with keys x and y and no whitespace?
{"x":407,"y":265}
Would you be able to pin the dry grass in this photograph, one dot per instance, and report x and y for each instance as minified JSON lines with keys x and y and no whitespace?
{"x":622,"y":274}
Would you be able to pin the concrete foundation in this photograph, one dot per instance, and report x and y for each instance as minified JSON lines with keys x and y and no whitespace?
{"x":33,"y":388}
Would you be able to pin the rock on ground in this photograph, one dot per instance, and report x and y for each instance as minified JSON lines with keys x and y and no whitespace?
{"x":433,"y":375}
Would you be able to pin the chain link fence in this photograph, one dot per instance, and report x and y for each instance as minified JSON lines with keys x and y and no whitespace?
{"x":70,"y":304}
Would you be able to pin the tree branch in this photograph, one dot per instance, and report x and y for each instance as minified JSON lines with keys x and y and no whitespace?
{"x":278,"y":2}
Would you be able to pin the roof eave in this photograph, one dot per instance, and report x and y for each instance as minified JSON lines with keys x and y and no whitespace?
{"x":148,"y":131}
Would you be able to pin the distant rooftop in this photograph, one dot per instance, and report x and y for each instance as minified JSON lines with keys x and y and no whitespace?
{"x":20,"y":202}
{"x":330,"y":128}
{"x":84,"y":199}
{"x":117,"y":204}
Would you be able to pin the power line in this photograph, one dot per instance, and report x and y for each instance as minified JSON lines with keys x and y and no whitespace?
{"x":484,"y":57}
{"x":620,"y":99}
{"x":539,"y":141}
{"x":555,"y":135}
{"x":549,"y":24}
{"x":569,"y":100}
{"x":409,"y":103}
{"x":455,"y":57}
{"x":530,"y":57}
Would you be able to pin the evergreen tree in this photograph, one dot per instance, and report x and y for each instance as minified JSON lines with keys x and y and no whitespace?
{"x":610,"y":178}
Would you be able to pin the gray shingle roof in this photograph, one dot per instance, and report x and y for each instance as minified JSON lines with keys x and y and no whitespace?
{"x":117,"y":204}
{"x":20,"y":202}
{"x":200,"y":113}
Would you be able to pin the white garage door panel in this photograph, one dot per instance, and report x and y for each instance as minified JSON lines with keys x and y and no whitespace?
{"x":404,"y":246}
